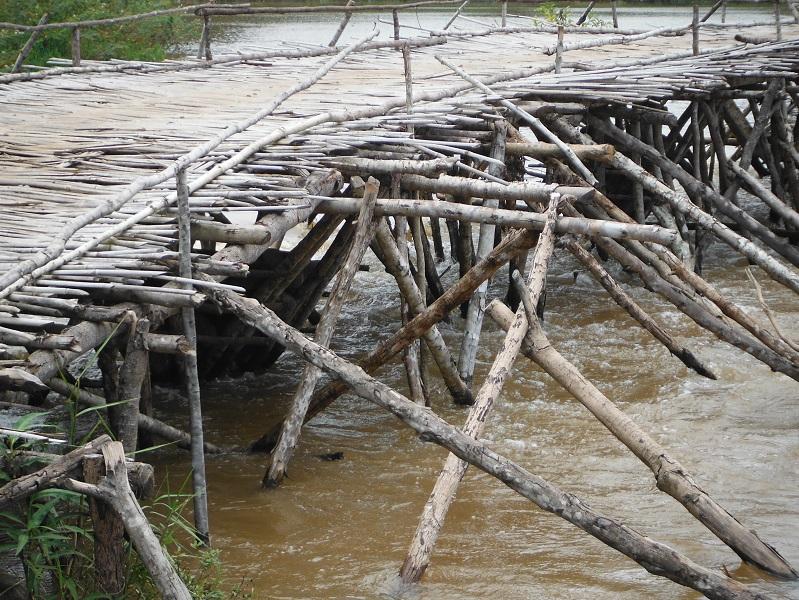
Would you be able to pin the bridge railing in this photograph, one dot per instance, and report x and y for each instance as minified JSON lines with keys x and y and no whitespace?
{"x":207,"y":10}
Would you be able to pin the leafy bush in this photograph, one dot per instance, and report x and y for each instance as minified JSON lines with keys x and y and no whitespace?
{"x":51,"y":534}
{"x":149,"y":39}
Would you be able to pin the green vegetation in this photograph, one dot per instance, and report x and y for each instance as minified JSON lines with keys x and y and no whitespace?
{"x":149,"y":39}
{"x":560,"y":15}
{"x":51,"y":533}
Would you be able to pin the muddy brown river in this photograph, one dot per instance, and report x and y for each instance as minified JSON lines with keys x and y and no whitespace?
{"x":340,"y":529}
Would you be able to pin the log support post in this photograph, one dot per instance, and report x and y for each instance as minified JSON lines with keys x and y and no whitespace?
{"x":446,"y":486}
{"x":559,"y":49}
{"x":199,"y":486}
{"x":109,"y":534}
{"x":292,"y":426}
{"x":125,"y":415}
{"x":395,"y":19}
{"x":613,"y":13}
{"x":474,"y":315}
{"x":504,"y":13}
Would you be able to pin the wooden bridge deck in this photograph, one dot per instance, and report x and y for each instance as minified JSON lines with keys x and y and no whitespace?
{"x":70,"y":142}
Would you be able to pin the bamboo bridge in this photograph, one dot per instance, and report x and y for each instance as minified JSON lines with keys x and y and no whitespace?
{"x":146,"y":207}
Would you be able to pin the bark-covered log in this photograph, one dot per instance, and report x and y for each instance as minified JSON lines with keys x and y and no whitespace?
{"x":115,"y":490}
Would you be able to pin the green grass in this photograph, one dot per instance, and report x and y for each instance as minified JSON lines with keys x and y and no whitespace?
{"x":149,"y":39}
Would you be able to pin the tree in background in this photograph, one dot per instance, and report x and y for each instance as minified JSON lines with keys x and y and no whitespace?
{"x":149,"y":39}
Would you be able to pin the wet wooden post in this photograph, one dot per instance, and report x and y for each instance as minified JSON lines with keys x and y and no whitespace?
{"x":615,"y":16}
{"x":724,"y":11}
{"x":559,"y":49}
{"x":343,"y":25}
{"x":199,"y":486}
{"x":125,"y":415}
{"x":777,"y":23}
{"x":446,"y":486}
{"x":26,"y":49}
{"x":695,"y":30}
{"x":638,"y":190}
{"x":109,"y":534}
{"x":76,"y":46}
{"x":504,"y":13}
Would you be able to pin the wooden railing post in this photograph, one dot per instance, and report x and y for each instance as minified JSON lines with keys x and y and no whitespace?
{"x":559,"y":49}
{"x":26,"y":49}
{"x":204,"y":48}
{"x":504,"y":13}
{"x":395,"y":17}
{"x":695,"y":30}
{"x":777,"y":22}
{"x":615,"y":16}
{"x":342,"y":25}
{"x":76,"y":47}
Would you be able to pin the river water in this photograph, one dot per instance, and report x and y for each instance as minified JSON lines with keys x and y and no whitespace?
{"x":340,"y":529}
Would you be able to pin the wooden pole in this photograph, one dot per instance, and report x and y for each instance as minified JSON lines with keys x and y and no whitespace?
{"x":342,"y":26}
{"x":613,"y":12}
{"x":109,"y":534}
{"x":125,"y":415}
{"x":581,"y":19}
{"x":397,"y":265}
{"x":395,"y":18}
{"x":723,"y":11}
{"x":406,"y":62}
{"x":422,"y":250}
{"x":207,"y":37}
{"x":455,"y":16}
{"x":437,"y":506}
{"x":504,"y":13}
{"x":559,"y":49}
{"x":76,"y":46}
{"x":199,"y":486}
{"x":290,"y":434}
{"x":26,"y":49}
{"x":474,"y":315}
{"x":777,"y":22}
